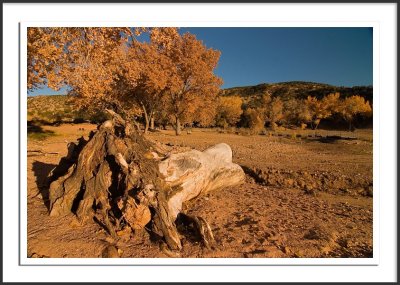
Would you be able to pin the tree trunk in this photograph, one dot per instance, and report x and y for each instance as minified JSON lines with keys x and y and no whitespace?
{"x":316,"y":122}
{"x":351,"y":126}
{"x":118,"y":175}
{"x":146,"y":118}
{"x":152,"y":122}
{"x":274,"y":126}
{"x":178,"y":130}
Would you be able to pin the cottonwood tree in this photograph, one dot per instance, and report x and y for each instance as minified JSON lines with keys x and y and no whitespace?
{"x":86,"y":59}
{"x":229,"y":110}
{"x":44,"y":57}
{"x":193,"y":81}
{"x":156,"y":72}
{"x":316,"y":110}
{"x":313,"y":110}
{"x":292,"y":109}
{"x":274,"y":112}
{"x":254,"y":119}
{"x":331,"y":103}
{"x":205,"y":112}
{"x":304,"y":114}
{"x":353,"y":106}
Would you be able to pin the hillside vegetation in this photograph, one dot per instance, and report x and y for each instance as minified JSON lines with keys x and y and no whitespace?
{"x":286,"y":104}
{"x":52,"y":109}
{"x":298,"y":90}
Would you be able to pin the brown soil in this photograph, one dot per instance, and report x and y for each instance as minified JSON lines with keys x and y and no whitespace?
{"x":302,"y":198}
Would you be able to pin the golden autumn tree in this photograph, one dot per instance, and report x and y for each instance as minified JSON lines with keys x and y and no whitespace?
{"x":193,"y":81}
{"x":293,"y":111}
{"x":254,"y":114}
{"x":316,"y":110}
{"x":205,"y":112}
{"x":331,"y":103}
{"x":87,"y":60}
{"x":155,"y":72}
{"x":229,"y":110}
{"x":353,"y":106}
{"x":313,"y":110}
{"x":254,"y":119}
{"x":274,"y":112}
{"x":44,"y":57}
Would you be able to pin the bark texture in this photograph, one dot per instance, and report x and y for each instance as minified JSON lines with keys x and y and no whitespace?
{"x":121,"y":179}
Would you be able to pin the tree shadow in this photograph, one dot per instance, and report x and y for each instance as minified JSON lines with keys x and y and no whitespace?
{"x":332,"y":139}
{"x":36,"y":132}
{"x":41,"y":171}
{"x":35,"y":128}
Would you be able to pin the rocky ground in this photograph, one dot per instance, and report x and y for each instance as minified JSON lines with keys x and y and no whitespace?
{"x":303,"y":197}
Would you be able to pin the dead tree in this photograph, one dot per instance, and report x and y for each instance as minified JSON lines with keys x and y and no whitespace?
{"x":122,"y":179}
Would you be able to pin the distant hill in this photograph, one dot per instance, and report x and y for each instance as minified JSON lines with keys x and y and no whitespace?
{"x":49,"y":108}
{"x":298,"y":90}
{"x":57,"y":108}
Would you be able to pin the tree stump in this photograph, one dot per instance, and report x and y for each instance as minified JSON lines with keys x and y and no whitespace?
{"x":122,"y":179}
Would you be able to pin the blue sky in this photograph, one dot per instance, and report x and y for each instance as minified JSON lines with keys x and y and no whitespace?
{"x":250,"y":56}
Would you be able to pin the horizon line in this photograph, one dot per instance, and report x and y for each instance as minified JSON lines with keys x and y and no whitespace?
{"x":243,"y":86}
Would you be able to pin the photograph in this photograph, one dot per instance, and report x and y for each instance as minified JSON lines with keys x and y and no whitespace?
{"x":200,"y":142}
{"x":206,"y":142}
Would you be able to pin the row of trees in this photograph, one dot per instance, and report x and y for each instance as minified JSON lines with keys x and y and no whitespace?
{"x":265,"y":110}
{"x":170,"y":76}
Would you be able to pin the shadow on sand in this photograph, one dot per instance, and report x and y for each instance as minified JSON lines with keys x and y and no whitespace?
{"x":41,"y":171}
{"x":332,"y":139}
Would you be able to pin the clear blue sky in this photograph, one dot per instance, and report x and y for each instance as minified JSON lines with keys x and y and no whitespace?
{"x":250,"y":56}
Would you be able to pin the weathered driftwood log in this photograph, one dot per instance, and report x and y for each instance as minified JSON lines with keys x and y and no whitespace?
{"x":192,"y":173}
{"x":122,"y":179}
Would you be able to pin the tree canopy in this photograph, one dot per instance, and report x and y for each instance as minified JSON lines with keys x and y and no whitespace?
{"x":109,"y":67}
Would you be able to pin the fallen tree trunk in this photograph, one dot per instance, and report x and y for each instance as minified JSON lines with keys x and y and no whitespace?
{"x":122,"y":179}
{"x":192,"y":173}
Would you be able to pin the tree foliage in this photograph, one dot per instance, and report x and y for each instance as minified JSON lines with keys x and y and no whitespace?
{"x":253,"y":119}
{"x":194,"y":86}
{"x":229,"y":111}
{"x":109,"y":67}
{"x":85,"y":59}
{"x":274,"y":112}
{"x":353,"y":106}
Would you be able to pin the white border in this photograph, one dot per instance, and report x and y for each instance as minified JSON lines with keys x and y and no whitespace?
{"x":282,"y":15}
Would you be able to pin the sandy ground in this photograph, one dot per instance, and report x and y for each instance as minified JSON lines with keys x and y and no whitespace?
{"x":302,"y":198}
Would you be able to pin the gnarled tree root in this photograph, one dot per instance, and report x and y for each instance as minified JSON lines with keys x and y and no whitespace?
{"x":121,"y":178}
{"x":202,"y":229}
